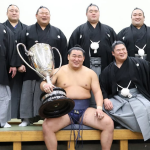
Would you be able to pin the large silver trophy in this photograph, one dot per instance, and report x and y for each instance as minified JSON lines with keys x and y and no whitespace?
{"x":41,"y":57}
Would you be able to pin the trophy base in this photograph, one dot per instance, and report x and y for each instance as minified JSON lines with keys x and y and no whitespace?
{"x":55,"y":104}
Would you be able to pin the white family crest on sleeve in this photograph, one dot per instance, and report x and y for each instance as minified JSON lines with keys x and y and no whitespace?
{"x":108,"y":35}
{"x":58,"y":36}
{"x":80,"y":36}
{"x":27,"y":34}
{"x":4,"y":31}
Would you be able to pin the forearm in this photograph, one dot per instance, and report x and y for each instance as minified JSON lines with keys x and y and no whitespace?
{"x":99,"y":98}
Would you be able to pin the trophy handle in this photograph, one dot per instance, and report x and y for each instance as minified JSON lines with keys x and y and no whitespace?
{"x":28,"y":54}
{"x":60,"y":59}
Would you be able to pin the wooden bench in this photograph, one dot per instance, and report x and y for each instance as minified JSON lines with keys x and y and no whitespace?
{"x":34,"y":133}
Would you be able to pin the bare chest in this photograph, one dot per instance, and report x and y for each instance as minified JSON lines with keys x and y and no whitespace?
{"x":74,"y":81}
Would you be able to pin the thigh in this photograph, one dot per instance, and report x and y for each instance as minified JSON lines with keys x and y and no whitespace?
{"x":89,"y":119}
{"x":56,"y":124}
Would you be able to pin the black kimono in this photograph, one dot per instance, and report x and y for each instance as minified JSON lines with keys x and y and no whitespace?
{"x":138,"y":72}
{"x":8,"y":58}
{"x":132,"y":36}
{"x":132,"y":112}
{"x":8,"y":54}
{"x":30,"y":97}
{"x":16,"y":30}
{"x":52,"y":36}
{"x":103,"y":33}
{"x":104,"y":36}
{"x":16,"y":82}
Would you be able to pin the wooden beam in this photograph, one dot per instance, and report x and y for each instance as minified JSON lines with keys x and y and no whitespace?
{"x":123,"y":144}
{"x":18,"y":136}
{"x":70,"y":145}
{"x":10,"y":136}
{"x":32,"y":136}
{"x":17,"y":145}
{"x":64,"y":135}
{"x":125,"y":134}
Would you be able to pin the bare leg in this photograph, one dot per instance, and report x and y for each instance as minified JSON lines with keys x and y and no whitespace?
{"x":50,"y":126}
{"x":105,"y":124}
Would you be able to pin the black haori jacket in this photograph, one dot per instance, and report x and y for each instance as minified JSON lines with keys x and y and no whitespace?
{"x":55,"y":38}
{"x":139,"y":71}
{"x":8,"y":54}
{"x":16,"y":31}
{"x":126,"y":36}
{"x":103,"y":33}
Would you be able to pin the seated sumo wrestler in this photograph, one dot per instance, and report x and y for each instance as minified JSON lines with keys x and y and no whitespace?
{"x":125,"y":84}
{"x":78,"y":80}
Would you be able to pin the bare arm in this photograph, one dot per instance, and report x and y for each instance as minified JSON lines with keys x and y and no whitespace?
{"x":48,"y":87}
{"x":95,"y":86}
{"x":98,"y":95}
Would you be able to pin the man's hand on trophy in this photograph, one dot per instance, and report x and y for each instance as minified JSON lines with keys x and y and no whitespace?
{"x":48,"y":88}
{"x":22,"y":68}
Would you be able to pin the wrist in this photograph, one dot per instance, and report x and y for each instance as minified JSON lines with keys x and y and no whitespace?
{"x":44,"y":85}
{"x":99,"y":107}
{"x":105,"y":99}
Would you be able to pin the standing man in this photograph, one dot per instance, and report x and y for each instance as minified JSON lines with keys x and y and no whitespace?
{"x":70,"y":78}
{"x":137,"y":36}
{"x":8,"y":64}
{"x":125,"y":85}
{"x":96,"y":39}
{"x":40,"y":32}
{"x":16,"y":83}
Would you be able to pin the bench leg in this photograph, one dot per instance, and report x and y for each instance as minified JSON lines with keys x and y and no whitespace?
{"x":123,"y":144}
{"x":72,"y":146}
{"x":16,"y":145}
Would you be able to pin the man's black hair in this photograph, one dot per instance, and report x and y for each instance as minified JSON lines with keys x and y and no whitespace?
{"x":76,"y":47}
{"x":138,"y":9}
{"x":40,"y":8}
{"x":116,"y":43}
{"x":12,"y":5}
{"x":90,"y":6}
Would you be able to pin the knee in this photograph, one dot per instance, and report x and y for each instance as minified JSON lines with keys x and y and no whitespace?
{"x":47,"y":127}
{"x":109,"y":124}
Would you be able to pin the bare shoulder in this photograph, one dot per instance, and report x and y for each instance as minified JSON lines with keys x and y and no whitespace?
{"x":89,"y":71}
{"x":57,"y":73}
{"x":60,"y":70}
